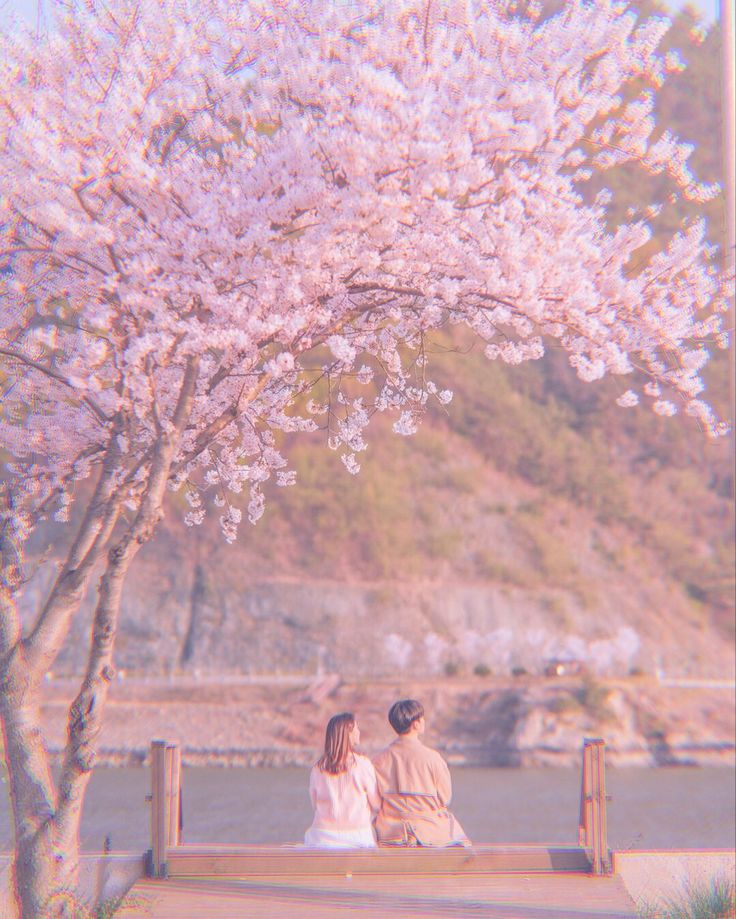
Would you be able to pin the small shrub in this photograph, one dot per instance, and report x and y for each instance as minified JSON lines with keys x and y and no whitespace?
{"x":561,"y":704}
{"x":555,"y":605}
{"x":452,"y":668}
{"x":482,"y":670}
{"x":593,"y":697}
{"x":441,"y":543}
{"x":715,"y":900}
{"x":491,"y":569}
{"x":519,"y":671}
{"x":712,"y":900}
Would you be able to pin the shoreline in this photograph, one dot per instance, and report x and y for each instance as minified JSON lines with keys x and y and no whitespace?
{"x":495,"y":723}
{"x":280,"y":758}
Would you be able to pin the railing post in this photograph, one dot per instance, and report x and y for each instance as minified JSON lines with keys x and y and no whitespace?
{"x":173,"y":772}
{"x":159,"y":822}
{"x":585,"y":799}
{"x":593,"y":822}
{"x":165,"y":801}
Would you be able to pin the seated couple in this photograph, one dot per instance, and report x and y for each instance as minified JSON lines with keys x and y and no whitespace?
{"x":399,"y":799}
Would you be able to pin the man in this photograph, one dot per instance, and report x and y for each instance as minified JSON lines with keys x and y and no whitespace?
{"x":415,"y":787}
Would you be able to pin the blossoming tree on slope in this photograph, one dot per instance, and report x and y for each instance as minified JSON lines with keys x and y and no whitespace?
{"x":249,"y":219}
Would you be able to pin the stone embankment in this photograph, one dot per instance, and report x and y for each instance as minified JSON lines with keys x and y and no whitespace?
{"x":479,"y":722}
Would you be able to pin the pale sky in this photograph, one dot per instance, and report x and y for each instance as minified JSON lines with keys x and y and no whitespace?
{"x":28,"y":8}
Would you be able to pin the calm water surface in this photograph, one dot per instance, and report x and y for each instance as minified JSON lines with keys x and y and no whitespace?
{"x":654,"y":808}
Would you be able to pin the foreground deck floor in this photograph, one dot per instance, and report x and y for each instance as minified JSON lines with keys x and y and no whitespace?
{"x":505,"y":896}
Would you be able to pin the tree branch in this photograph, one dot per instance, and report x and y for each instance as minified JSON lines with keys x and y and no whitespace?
{"x":59,"y":377}
{"x":85,"y":714}
{"x":43,"y":643}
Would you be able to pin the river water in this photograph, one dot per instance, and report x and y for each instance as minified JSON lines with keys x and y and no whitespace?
{"x":651,"y":808}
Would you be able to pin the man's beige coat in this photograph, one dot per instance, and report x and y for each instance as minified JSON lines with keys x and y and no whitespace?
{"x":415,"y":788}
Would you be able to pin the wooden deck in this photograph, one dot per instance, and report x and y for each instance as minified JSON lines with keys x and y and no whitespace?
{"x":493,"y":881}
{"x":228,"y":882}
{"x":537,"y":896}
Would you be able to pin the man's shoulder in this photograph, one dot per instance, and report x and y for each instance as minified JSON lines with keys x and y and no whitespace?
{"x":401,"y":749}
{"x":429,"y":753}
{"x":383,"y":755}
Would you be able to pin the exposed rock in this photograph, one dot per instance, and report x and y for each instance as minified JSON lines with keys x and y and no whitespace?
{"x":474,"y":722}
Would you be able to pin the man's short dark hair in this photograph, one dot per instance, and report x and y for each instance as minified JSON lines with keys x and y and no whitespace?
{"x":404,"y":713}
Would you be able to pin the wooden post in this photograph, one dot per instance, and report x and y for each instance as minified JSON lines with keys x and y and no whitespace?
{"x":165,"y":801}
{"x":159,"y":819}
{"x":593,"y":823}
{"x":173,"y":773}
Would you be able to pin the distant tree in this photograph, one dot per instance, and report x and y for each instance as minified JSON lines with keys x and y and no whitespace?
{"x":224,"y":221}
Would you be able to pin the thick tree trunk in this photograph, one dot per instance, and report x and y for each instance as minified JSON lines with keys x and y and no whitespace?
{"x":39,"y":863}
{"x":85,"y":714}
{"x":29,"y":778}
{"x":46,"y":826}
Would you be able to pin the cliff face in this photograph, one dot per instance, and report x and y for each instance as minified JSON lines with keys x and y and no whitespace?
{"x":378,"y":630}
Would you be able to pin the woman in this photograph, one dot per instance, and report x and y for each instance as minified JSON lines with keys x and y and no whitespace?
{"x":343,"y":789}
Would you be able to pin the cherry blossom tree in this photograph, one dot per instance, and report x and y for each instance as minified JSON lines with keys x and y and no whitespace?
{"x":223,"y":222}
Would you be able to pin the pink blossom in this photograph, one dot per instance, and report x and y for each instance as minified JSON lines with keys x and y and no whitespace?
{"x":301,"y":221}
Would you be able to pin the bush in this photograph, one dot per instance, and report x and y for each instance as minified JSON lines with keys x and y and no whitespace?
{"x":482,"y":670}
{"x":519,"y":671}
{"x":593,"y":697}
{"x":713,"y":900}
{"x":561,"y":704}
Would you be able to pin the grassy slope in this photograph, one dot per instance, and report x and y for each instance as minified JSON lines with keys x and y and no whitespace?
{"x":515,"y":444}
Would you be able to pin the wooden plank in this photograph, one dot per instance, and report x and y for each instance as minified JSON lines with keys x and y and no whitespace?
{"x":159,"y":824}
{"x":585,"y":800}
{"x":258,"y":861}
{"x":603,"y":854}
{"x":383,"y":896}
{"x":173,"y":778}
{"x":595,"y":811}
{"x":597,"y":825}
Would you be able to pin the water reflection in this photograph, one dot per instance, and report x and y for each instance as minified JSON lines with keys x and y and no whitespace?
{"x":651,"y":808}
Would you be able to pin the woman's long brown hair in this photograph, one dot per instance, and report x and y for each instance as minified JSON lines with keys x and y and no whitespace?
{"x":338,"y":749}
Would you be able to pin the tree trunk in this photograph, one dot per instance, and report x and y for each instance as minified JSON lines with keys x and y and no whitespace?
{"x":38,"y":862}
{"x":47,"y":828}
{"x":29,"y":777}
{"x":31,"y":787}
{"x":85,"y":714}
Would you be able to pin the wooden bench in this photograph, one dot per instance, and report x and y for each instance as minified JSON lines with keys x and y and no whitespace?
{"x":271,"y":861}
{"x":167,"y":857}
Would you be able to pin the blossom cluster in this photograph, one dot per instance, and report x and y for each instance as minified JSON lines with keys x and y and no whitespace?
{"x":298,"y":194}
